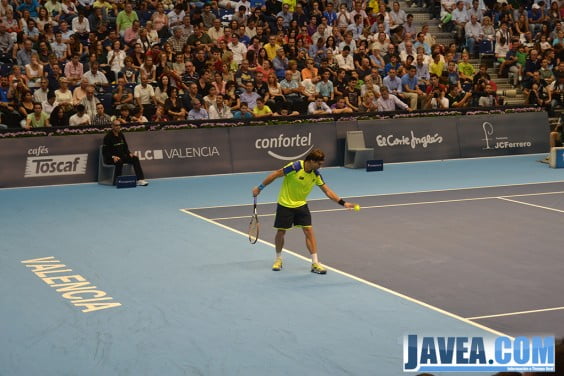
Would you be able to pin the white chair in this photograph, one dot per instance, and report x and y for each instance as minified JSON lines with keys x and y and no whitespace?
{"x":356,"y":152}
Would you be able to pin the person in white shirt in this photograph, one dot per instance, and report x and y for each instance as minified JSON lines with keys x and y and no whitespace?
{"x":389,"y":102}
{"x":397,"y":15}
{"x":81,"y":118}
{"x":238,"y":49}
{"x":81,"y":25}
{"x":219,"y":110}
{"x":345,"y":59}
{"x":460,"y":18}
{"x":40,"y":94}
{"x":318,"y":107}
{"x":144,"y":95}
{"x":95,"y":77}
{"x":472,"y":31}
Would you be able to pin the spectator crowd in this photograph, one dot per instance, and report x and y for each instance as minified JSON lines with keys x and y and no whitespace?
{"x":87,"y":62}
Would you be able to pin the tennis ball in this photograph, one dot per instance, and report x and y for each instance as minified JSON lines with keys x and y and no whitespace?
{"x":357,"y":207}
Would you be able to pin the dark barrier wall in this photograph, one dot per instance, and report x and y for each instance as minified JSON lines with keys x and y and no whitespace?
{"x":49,"y":160}
{"x":270,"y":147}
{"x":74,"y":159}
{"x":412,"y":139}
{"x":182,"y":152}
{"x":482,"y":136}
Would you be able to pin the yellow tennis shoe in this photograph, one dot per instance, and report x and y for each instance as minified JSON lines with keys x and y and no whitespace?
{"x":318,"y":269}
{"x":277,"y":265}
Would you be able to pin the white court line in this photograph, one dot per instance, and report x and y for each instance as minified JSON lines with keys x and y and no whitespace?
{"x":417,"y":203}
{"x":401,"y":193}
{"x":533,"y":205}
{"x":358,"y":279}
{"x":516,"y":313}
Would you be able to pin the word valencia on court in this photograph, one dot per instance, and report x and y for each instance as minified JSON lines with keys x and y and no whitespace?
{"x":74,"y":287}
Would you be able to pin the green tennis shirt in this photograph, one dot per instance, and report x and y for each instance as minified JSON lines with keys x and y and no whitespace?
{"x":297,"y":184}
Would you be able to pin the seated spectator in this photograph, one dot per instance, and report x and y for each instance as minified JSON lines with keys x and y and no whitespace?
{"x":325,"y":88}
{"x":438,"y":101}
{"x":537,"y":95}
{"x":452,"y":76}
{"x":95,"y":76}
{"x":90,"y":101}
{"x":219,"y":110}
{"x":352,"y":94}
{"x":34,"y":71}
{"x":318,"y":107}
{"x":197,"y":112}
{"x":137,"y":116}
{"x":144,"y":95}
{"x":79,"y":92}
{"x":173,"y":106}
{"x":74,"y":70}
{"x":545,"y":72}
{"x":285,"y":111}
{"x":410,"y":87}
{"x":556,"y":93}
{"x":63,"y":94}
{"x":116,"y":152}
{"x":310,"y":88}
{"x":249,"y":96}
{"x":101,"y":119}
{"x":25,"y":107}
{"x":40,"y":94}
{"x":487,"y":97}
{"x":160,"y":114}
{"x":50,"y":104}
{"x":122,"y":95}
{"x":344,"y":60}
{"x":457,"y":97}
{"x":340,"y":107}
{"x":368,"y":103}
{"x":389,"y":102}
{"x":37,"y":119}
{"x":124,"y":116}
{"x":59,"y":118}
{"x":81,"y":118}
{"x":243,"y":112}
{"x":261,"y":109}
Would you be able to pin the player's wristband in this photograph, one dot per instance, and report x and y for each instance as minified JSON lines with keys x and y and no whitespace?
{"x":261,"y":187}
{"x":342,"y":202}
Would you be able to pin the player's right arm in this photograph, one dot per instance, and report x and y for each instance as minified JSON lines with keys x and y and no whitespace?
{"x":269,"y":179}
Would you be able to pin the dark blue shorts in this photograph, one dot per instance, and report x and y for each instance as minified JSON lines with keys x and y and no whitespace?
{"x":286,"y":218}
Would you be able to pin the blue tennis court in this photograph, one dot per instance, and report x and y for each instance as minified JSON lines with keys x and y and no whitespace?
{"x":162,"y":279}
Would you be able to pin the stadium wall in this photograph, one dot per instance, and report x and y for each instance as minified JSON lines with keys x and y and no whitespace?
{"x":33,"y":161}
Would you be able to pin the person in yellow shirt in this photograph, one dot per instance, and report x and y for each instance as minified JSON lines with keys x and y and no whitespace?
{"x":271,"y":47}
{"x":299,"y":179}
{"x":437,"y":66}
{"x":291,"y":4}
{"x":261,"y":110}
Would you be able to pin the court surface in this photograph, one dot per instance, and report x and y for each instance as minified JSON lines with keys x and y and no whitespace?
{"x":462,"y":247}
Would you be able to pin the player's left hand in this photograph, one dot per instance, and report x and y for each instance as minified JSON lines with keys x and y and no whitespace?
{"x":350,"y":205}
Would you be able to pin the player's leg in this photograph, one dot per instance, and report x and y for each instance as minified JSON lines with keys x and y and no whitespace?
{"x":284,"y":220}
{"x":311,"y":243}
{"x":303,"y":219}
{"x":279,"y":243}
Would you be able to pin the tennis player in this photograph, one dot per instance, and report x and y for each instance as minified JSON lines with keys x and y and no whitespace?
{"x":292,"y":210}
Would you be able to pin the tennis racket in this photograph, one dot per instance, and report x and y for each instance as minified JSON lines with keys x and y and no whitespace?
{"x":254,"y":224}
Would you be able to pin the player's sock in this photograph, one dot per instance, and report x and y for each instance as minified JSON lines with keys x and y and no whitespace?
{"x":278,"y":255}
{"x":314,"y":259}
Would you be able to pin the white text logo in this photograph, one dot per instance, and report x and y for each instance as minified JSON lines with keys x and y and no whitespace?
{"x":40,"y":150}
{"x":179,"y":153}
{"x":412,"y":141}
{"x":285,"y":142}
{"x":500,"y":142}
{"x":55,"y":165}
